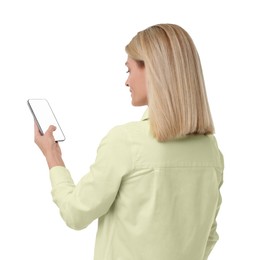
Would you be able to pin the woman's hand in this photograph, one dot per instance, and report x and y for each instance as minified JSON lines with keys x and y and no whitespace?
{"x":50,"y":149}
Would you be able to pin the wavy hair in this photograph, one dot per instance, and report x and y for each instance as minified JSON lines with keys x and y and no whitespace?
{"x":177,"y":98}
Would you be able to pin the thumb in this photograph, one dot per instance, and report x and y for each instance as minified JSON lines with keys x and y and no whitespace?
{"x":51,"y":129}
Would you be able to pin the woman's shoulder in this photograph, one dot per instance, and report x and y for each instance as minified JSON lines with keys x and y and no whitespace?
{"x":129,"y":128}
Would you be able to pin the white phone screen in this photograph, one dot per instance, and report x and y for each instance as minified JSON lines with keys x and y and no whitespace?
{"x":44,"y":117}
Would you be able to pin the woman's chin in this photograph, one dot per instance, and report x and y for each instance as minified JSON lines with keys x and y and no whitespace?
{"x":136,"y":103}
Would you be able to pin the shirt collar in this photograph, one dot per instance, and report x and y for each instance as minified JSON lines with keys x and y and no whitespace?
{"x":145,"y":115}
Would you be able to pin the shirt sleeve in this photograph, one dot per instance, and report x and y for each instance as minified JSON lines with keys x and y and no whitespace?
{"x":213,"y":236}
{"x":94,"y":194}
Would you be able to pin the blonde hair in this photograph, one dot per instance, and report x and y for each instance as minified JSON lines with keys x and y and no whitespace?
{"x":177,"y":99}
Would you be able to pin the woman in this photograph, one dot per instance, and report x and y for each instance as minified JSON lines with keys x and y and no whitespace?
{"x":154,"y":186}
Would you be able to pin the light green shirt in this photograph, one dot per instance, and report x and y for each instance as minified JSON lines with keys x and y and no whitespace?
{"x":154,"y":201}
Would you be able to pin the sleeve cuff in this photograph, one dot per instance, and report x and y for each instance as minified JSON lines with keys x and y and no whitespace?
{"x":60,"y":175}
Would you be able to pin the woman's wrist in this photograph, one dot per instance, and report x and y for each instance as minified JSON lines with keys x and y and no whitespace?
{"x":54,"y":160}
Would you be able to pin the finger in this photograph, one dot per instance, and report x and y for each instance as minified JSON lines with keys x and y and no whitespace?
{"x":37,"y":133}
{"x":49,"y":132}
{"x":51,"y":129}
{"x":36,"y":129}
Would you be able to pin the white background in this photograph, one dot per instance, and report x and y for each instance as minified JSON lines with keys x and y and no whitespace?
{"x":72,"y":53}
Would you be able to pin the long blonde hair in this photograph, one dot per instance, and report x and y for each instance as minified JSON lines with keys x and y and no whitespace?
{"x":177,"y":99}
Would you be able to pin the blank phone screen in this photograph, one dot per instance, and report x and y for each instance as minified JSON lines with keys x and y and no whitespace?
{"x":44,"y":117}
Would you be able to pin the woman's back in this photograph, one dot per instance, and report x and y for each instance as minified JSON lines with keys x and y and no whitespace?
{"x":167,"y":203}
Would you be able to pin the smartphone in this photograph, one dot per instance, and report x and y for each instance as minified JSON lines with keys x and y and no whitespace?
{"x":44,"y":117}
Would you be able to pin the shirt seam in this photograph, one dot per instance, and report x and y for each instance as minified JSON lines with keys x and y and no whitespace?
{"x":130,"y":147}
{"x":144,"y":166}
